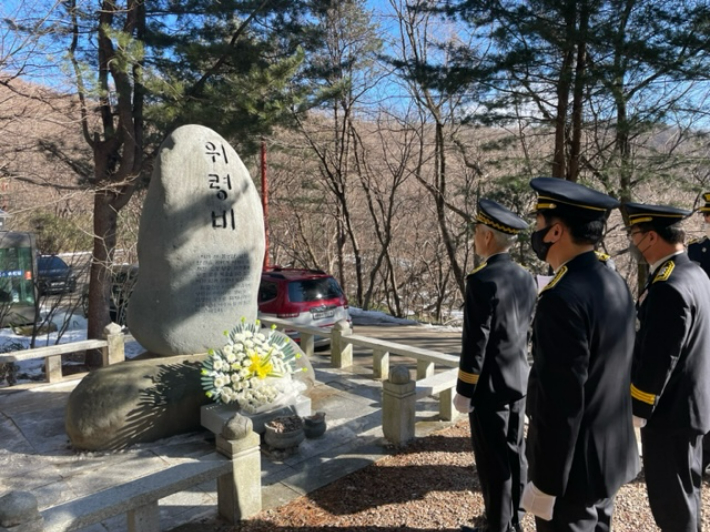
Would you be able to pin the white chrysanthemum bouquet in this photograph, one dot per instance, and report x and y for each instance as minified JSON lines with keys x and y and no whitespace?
{"x":253,"y":369}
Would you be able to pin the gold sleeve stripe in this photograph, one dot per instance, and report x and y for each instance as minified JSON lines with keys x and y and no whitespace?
{"x":468,"y":378}
{"x":644,"y":397}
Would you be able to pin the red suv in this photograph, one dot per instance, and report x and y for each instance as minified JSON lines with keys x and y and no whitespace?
{"x":305,"y":297}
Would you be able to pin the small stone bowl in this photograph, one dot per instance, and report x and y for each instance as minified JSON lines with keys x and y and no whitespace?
{"x":284,"y":432}
{"x":314,"y":426}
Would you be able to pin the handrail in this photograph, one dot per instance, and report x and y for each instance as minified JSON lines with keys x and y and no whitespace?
{"x":373,"y":343}
{"x":398,"y":398}
{"x":112,"y":348}
{"x":426,"y":359}
{"x":404,"y":350}
{"x":59,"y":349}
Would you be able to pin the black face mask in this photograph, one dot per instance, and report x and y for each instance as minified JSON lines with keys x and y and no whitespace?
{"x":636,"y":252}
{"x":538,"y":246}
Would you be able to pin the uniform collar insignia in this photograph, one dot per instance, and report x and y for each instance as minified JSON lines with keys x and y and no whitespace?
{"x":556,"y":279}
{"x":478,"y":268}
{"x":664,"y":272}
{"x":603,"y":257}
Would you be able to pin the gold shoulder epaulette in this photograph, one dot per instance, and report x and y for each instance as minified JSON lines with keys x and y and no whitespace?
{"x":693,"y":241}
{"x":665,"y":272}
{"x":556,"y":279}
{"x":603,"y":257}
{"x":478,"y":268}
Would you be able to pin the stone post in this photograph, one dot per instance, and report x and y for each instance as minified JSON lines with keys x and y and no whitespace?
{"x":53,"y":368}
{"x":114,"y":352}
{"x":19,"y":513}
{"x":239,"y":493}
{"x":447,"y":411}
{"x":381,"y":363}
{"x":341,"y":351}
{"x":144,"y":519}
{"x":425,"y":369}
{"x":398,"y":406}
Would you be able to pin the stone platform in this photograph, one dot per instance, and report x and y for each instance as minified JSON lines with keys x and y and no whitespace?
{"x":213,"y":417}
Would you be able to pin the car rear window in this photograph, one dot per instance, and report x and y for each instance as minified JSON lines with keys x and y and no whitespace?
{"x":267,"y":291}
{"x":313,"y":290}
{"x":51,"y":263}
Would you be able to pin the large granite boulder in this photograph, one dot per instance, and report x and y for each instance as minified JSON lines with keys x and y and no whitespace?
{"x":200,"y":246}
{"x":145,"y":399}
{"x":136,"y":401}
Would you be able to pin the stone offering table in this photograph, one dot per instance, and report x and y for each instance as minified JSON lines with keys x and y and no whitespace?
{"x":214,"y":416}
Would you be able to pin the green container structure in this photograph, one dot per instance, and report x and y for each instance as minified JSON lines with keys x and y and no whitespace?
{"x":18,"y":270}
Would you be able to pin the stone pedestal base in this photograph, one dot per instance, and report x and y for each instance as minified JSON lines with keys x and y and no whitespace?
{"x":214,"y":416}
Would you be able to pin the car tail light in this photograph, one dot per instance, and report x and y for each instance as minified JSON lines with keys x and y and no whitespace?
{"x":289,"y":315}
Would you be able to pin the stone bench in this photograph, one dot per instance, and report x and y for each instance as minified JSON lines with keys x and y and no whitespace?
{"x":443,"y":384}
{"x":137,"y":498}
{"x":236,"y":467}
{"x":112,"y":351}
{"x":399,"y":396}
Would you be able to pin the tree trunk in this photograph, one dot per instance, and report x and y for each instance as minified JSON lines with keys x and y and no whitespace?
{"x":392,"y":274}
{"x":105,"y":224}
{"x":578,"y":95}
{"x":440,"y":198}
{"x":564,"y":84}
{"x":559,"y":166}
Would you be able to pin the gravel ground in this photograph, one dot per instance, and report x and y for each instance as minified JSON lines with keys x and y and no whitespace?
{"x":429,"y":485}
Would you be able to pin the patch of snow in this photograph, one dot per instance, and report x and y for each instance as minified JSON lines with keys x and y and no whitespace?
{"x":443,"y":328}
{"x":375,"y":317}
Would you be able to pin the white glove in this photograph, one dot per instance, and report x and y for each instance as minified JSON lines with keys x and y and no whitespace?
{"x":538,"y":503}
{"x":463,"y":404}
{"x":640,"y":422}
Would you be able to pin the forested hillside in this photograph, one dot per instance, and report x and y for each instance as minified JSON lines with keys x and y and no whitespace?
{"x":383,"y":122}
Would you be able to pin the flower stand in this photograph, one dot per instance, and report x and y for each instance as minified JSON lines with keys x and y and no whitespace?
{"x":214,"y":416}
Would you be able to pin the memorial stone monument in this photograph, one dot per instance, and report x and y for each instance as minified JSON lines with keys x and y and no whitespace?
{"x":200,"y":251}
{"x":200,"y":246}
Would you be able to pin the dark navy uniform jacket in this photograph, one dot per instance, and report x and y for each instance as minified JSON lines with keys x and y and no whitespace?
{"x":581,"y":442}
{"x":699,"y":252}
{"x":500,"y":301}
{"x":671,"y":377}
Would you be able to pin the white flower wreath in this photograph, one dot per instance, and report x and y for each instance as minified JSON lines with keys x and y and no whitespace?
{"x":252,"y":369}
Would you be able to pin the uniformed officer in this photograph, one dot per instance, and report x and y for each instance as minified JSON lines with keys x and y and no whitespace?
{"x":699,"y":251}
{"x":581,"y":445}
{"x":671,"y":374}
{"x":493,"y":369}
